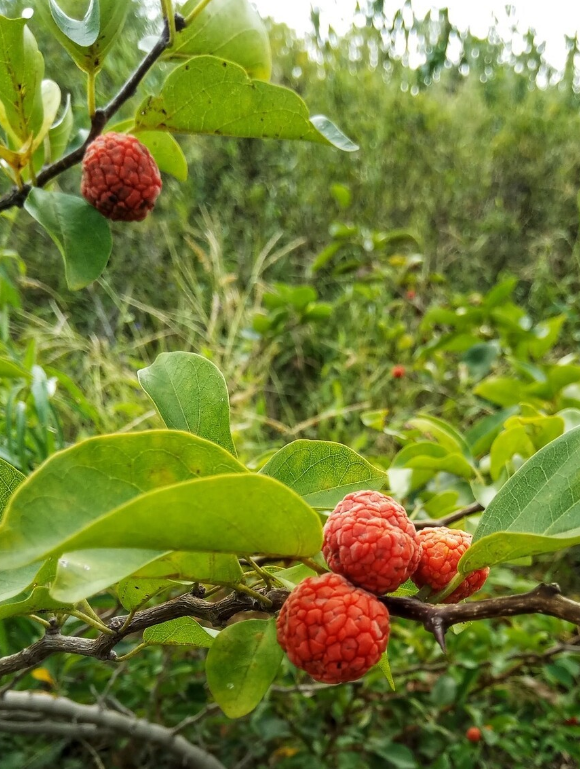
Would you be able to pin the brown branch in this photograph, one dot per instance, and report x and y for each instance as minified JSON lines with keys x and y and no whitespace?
{"x":452,"y":517}
{"x":69,"y":719}
{"x":17,"y":197}
{"x":544,"y":599}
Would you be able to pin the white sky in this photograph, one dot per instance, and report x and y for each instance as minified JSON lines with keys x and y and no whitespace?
{"x":552,"y":19}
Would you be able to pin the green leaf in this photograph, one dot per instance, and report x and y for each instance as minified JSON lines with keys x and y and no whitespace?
{"x":323,"y":472}
{"x":167,"y":153}
{"x":230,"y":29}
{"x":10,"y":479}
{"x":15,"y":581}
{"x":21,"y":72}
{"x":78,"y":485}
{"x":240,"y":513}
{"x":133,"y":593}
{"x":80,"y":233}
{"x":546,"y":335}
{"x":385,"y":668}
{"x":536,"y":511}
{"x":83,"y":32}
{"x":86,"y":572}
{"x":207,"y":95}
{"x":504,"y":391}
{"x":38,"y":600}
{"x":12,"y":370}
{"x":507,"y":444}
{"x":442,"y":432}
{"x":51,"y":96}
{"x":480,"y":358}
{"x":294,"y":575}
{"x":88,"y":57}
{"x":483,"y":433}
{"x":184,"y":631}
{"x":60,"y":133}
{"x":242,"y":664}
{"x":190,"y":394}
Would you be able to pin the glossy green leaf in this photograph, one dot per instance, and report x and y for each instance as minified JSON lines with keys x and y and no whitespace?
{"x":83,"y":32}
{"x":77,"y":486}
{"x":507,"y":444}
{"x":133,"y":593}
{"x":536,"y":511}
{"x":10,"y":479}
{"x":242,"y":664}
{"x":15,"y":581}
{"x":51,"y":96}
{"x":86,"y":572}
{"x":167,"y":153}
{"x":483,"y":433}
{"x":323,"y":472}
{"x":442,"y":432}
{"x":240,"y":513}
{"x":230,"y":29}
{"x":294,"y":575}
{"x":184,"y":631}
{"x":385,"y":668}
{"x":190,"y":394}
{"x":60,"y":133}
{"x":80,"y":233}
{"x":21,"y":72}
{"x":89,"y":58}
{"x":208,"y":95}
{"x":38,"y":600}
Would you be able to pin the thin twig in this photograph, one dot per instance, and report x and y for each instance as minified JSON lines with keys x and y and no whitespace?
{"x":17,"y":197}
{"x":452,"y":517}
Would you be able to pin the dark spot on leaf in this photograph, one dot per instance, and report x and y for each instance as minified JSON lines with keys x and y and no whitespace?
{"x":224,"y":64}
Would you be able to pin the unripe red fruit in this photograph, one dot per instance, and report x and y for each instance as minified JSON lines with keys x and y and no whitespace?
{"x":397,"y":372}
{"x":473,"y":734}
{"x":369,"y":539}
{"x":120,"y":177}
{"x":332,"y":630}
{"x":442,"y":549}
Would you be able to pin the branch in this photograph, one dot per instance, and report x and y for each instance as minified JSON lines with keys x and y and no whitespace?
{"x":17,"y":197}
{"x":91,"y":720}
{"x":544,"y":599}
{"x":452,"y":517}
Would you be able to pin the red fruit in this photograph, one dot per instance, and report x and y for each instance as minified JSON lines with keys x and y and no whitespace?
{"x":411,"y":294}
{"x":572,"y":721}
{"x":397,"y":372}
{"x":369,"y":539}
{"x":442,"y":549}
{"x":332,"y":630}
{"x":120,"y":177}
{"x":473,"y":734}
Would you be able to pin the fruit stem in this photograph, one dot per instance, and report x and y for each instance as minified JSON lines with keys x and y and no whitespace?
{"x":240,"y":588}
{"x":133,"y":652}
{"x":313,"y":565}
{"x":169,"y":15}
{"x":196,"y":11}
{"x":91,"y":93}
{"x":457,"y":580}
{"x":262,"y":573}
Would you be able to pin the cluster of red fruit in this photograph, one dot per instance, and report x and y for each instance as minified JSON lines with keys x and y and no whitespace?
{"x":120,"y":177}
{"x":334,"y":626}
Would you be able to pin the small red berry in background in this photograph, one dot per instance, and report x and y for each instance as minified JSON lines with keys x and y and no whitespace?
{"x":572,"y":721}
{"x":398,"y":371}
{"x":473,"y":734}
{"x":120,"y":177}
{"x":441,"y":550}
{"x":411,"y":294}
{"x":370,"y":540}
{"x":332,"y":630}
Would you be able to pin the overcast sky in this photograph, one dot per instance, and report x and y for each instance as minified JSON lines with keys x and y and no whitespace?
{"x":551,"y":20}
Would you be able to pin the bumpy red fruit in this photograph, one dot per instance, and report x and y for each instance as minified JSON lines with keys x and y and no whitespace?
{"x":120,"y":177}
{"x":370,"y":540}
{"x":442,"y":549}
{"x":473,"y":734}
{"x":397,"y":372}
{"x":332,"y":630}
